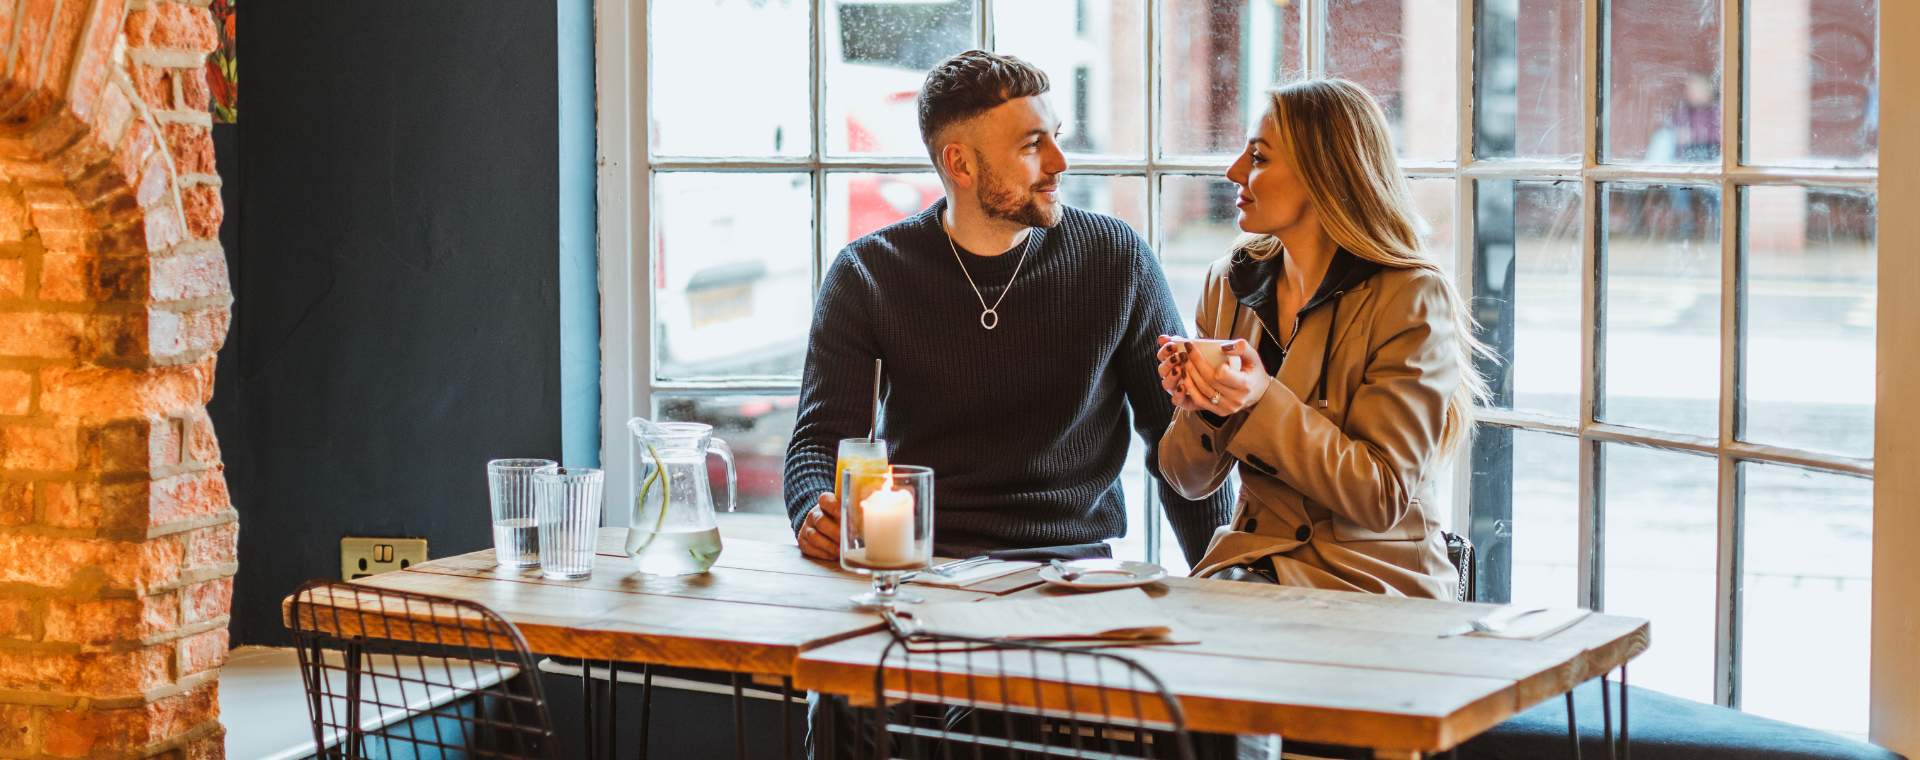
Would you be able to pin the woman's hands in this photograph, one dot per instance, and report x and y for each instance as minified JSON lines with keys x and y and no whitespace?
{"x":1197,"y":387}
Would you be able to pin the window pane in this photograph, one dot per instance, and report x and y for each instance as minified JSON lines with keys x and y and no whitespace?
{"x":1198,"y":225}
{"x":1140,"y":489}
{"x":1661,"y":306}
{"x":1808,"y":313}
{"x":1660,"y":537}
{"x":761,"y":64}
{"x":756,"y":427}
{"x":1435,"y":198}
{"x":733,"y":278}
{"x":1215,"y":59}
{"x":859,"y":203}
{"x":1808,"y":557}
{"x":1528,"y":76}
{"x":1662,"y":86}
{"x":1819,"y":62}
{"x":1099,"y":77}
{"x":1121,"y":196}
{"x":1404,"y":52}
{"x":877,"y":56}
{"x":1526,"y":517}
{"x":1527,"y":292}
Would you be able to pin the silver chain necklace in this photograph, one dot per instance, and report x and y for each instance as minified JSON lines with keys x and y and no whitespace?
{"x":989,"y":315}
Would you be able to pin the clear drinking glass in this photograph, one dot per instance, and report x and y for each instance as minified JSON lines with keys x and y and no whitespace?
{"x":569,"y":511}
{"x":886,"y":528}
{"x":516,"y":541}
{"x":860,"y":454}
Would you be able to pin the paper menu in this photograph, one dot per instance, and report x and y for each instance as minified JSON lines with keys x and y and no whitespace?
{"x":1126,"y":614}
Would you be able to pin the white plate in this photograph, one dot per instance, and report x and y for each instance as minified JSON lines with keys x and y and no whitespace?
{"x":1098,"y":574}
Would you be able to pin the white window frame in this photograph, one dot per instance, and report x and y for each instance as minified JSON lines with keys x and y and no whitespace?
{"x":627,"y":375}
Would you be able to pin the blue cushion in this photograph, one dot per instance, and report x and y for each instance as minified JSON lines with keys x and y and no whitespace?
{"x":1662,"y":727}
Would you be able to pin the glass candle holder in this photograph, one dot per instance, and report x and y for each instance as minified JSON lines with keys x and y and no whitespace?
{"x":886,"y":528}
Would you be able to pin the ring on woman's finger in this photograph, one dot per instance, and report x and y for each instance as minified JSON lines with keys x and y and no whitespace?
{"x":1215,"y":400}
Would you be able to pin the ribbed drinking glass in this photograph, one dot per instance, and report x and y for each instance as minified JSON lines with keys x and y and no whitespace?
{"x":516,"y":541}
{"x":569,"y":508}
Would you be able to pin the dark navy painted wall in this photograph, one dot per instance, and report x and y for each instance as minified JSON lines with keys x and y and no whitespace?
{"x":392,"y":232}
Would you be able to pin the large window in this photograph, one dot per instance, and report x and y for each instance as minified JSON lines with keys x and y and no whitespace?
{"x":1662,"y":209}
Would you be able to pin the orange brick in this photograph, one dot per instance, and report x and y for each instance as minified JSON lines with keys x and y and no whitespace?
{"x":16,"y":617}
{"x":121,"y":506}
{"x":203,"y":651}
{"x":66,"y":336}
{"x":19,"y":730}
{"x":16,"y":391}
{"x":209,"y":600}
{"x":110,"y":733}
{"x":111,"y":393}
{"x":188,"y":495}
{"x":16,"y":502}
{"x":192,"y":146}
{"x":28,"y":447}
{"x":173,"y":26}
{"x":195,"y":95}
{"x":66,"y":276}
{"x":213,"y":546}
{"x":89,"y":563}
{"x":200,"y":274}
{"x":193,"y":333}
{"x":122,"y":447}
{"x":153,"y":85}
{"x":204,"y":210}
{"x":104,"y":621}
{"x":13,"y":278}
{"x":203,"y":444}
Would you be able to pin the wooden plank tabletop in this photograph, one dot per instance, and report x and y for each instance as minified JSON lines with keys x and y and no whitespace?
{"x":754,"y":612}
{"x":1311,"y":665}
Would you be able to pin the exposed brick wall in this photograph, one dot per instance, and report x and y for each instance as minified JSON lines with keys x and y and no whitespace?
{"x":116,"y":533}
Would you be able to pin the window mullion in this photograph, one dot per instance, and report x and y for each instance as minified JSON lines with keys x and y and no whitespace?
{"x":1151,"y":42}
{"x":1727,"y":551}
{"x":819,"y":125}
{"x":1463,"y":234}
{"x":1591,"y":575}
{"x":1313,"y":23}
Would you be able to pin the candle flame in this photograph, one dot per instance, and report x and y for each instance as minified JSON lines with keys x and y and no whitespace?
{"x":888,"y":486}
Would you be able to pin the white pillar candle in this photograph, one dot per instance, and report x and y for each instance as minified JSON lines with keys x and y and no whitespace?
{"x":887,"y":525}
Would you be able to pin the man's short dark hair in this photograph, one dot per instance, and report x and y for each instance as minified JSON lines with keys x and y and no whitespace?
{"x":969,"y":84}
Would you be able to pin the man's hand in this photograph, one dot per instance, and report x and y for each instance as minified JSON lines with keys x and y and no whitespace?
{"x":820,"y":530}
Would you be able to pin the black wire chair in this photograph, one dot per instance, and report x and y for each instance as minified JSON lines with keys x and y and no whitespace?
{"x":399,"y":674}
{"x":939,"y":696}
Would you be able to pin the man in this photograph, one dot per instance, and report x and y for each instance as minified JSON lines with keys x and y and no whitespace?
{"x":1016,"y":333}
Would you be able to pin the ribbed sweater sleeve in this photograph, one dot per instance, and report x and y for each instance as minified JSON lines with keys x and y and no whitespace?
{"x":832,"y":404}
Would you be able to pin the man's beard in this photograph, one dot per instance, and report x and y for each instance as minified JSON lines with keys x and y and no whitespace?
{"x":1002,"y":200}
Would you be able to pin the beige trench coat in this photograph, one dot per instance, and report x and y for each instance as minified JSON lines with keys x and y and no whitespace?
{"x":1340,"y":496}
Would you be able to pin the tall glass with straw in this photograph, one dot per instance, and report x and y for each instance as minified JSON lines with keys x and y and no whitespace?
{"x":867,"y":454}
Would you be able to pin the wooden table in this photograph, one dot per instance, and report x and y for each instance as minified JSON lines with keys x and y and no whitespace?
{"x":1311,"y":665}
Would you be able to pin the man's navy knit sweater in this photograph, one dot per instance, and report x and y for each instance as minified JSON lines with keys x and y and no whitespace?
{"x":1025,"y":426}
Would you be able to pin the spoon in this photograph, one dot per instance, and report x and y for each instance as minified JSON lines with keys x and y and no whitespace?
{"x":1066,"y":573}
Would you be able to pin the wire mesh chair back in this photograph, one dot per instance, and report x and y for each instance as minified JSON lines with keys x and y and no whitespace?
{"x":398,"y":674}
{"x":939,"y":696}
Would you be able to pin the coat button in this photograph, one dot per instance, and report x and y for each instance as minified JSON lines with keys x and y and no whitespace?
{"x":1303,"y":533}
{"x":1206,"y":442}
{"x":1252,"y":525}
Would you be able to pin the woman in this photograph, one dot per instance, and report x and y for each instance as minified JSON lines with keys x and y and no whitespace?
{"x":1355,"y":381}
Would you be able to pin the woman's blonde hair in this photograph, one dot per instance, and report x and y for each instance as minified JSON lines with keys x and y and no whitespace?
{"x":1334,"y":137}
